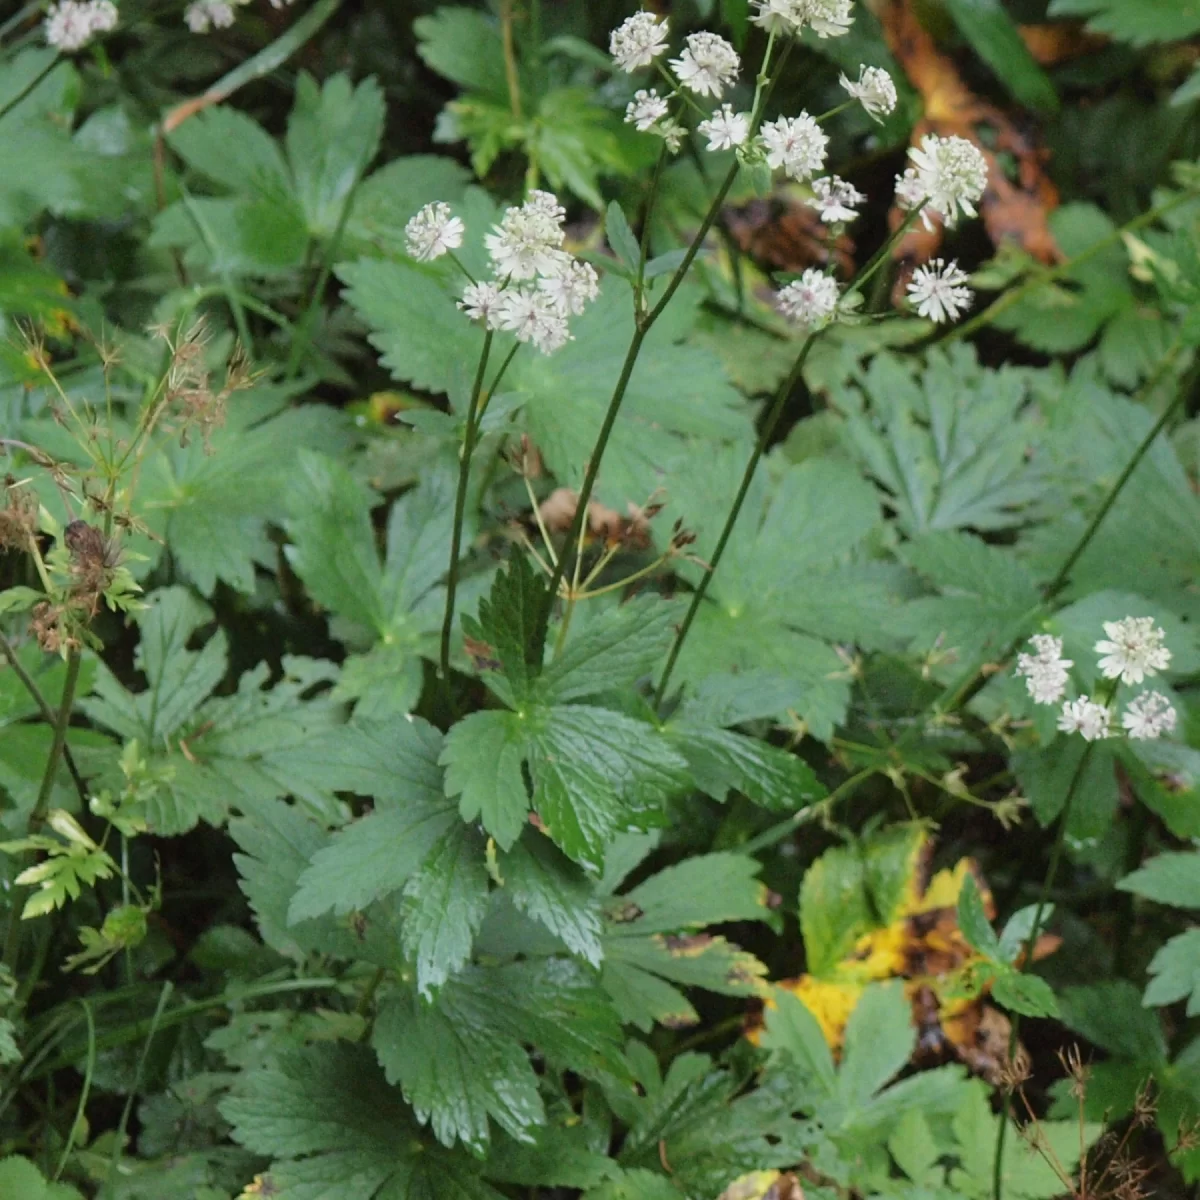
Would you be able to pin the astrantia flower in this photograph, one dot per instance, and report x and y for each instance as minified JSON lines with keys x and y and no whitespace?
{"x":638,"y":41}
{"x":797,"y":144}
{"x":725,"y":128}
{"x":810,"y":300}
{"x":1085,"y":717}
{"x":433,"y":232}
{"x":1045,"y":670}
{"x":573,"y":290}
{"x":534,"y":317}
{"x":708,"y":64}
{"x":938,"y":290}
{"x":528,"y":240}
{"x":71,"y":24}
{"x":835,"y":199}
{"x":828,"y":18}
{"x":779,"y":16}
{"x":1134,"y":649}
{"x":481,"y":302}
{"x":874,"y":90}
{"x":909,"y":192}
{"x":952,"y":174}
{"x":645,"y":109}
{"x":1148,"y":716}
{"x":202,"y":15}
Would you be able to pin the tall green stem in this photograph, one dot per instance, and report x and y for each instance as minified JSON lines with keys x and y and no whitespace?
{"x":1030,"y":944}
{"x":764,"y":440}
{"x":48,"y":714}
{"x":460,"y":506}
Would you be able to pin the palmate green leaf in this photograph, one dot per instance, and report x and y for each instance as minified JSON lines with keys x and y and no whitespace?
{"x":1176,"y":973}
{"x":879,"y":1040}
{"x":510,"y":623}
{"x":332,"y":1126}
{"x":387,"y":612}
{"x":647,"y":949}
{"x":210,"y":752}
{"x":1167,"y":879}
{"x":677,"y":393}
{"x":483,"y":758}
{"x":1045,"y":774}
{"x":791,"y":1029}
{"x":983,"y":594}
{"x":463,"y":45}
{"x":460,"y":1060}
{"x":947,"y":441}
{"x":974,"y":923}
{"x":229,"y":148}
{"x":545,"y":885}
{"x":834,"y":910}
{"x":20,"y":1178}
{"x":332,"y":135}
{"x":212,"y":505}
{"x":1112,"y":1017}
{"x":1139,"y":22}
{"x":790,"y":545}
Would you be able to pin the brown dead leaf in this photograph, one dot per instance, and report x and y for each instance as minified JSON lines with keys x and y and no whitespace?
{"x":632,"y":531}
{"x":1013,"y":210}
{"x":1059,"y":42}
{"x":782,"y":233}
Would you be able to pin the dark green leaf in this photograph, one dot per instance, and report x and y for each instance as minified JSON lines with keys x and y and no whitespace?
{"x":995,"y":38}
{"x":974,"y":923}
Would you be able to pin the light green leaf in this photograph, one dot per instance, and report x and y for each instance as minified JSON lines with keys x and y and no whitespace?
{"x":444,"y":904}
{"x":1027,"y":994}
{"x":974,"y":923}
{"x":793,"y":1030}
{"x":1176,"y":971}
{"x":1167,"y":879}
{"x":482,"y":756}
{"x":708,"y":889}
{"x":879,"y":1040}
{"x":1139,"y":22}
{"x":463,"y":45}
{"x":1111,"y":1015}
{"x":834,"y":911}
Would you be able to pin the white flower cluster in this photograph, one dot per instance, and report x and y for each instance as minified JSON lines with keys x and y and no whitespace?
{"x":538,"y":285}
{"x":203,"y":15}
{"x":810,"y":301}
{"x":826,"y":18}
{"x":71,"y":24}
{"x":796,"y":145}
{"x":939,"y":291}
{"x":874,"y":90}
{"x":1133,"y":651}
{"x":836,"y":200}
{"x":948,"y":174}
{"x":638,"y":41}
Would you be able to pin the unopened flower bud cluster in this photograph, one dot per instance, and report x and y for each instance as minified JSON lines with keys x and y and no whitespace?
{"x":1133,"y":650}
{"x":537,"y":286}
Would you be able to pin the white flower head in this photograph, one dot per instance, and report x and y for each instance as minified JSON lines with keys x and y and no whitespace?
{"x":909,"y":192}
{"x":434,"y":231}
{"x":481,"y":302}
{"x":874,"y":90}
{"x":797,"y":144}
{"x":1148,"y":716}
{"x":573,"y":290}
{"x":71,"y":24}
{"x":645,"y":110}
{"x":534,"y":317}
{"x":725,"y":129}
{"x":708,"y":64}
{"x":1045,"y":670}
{"x":1134,"y":649}
{"x":528,"y":241}
{"x":811,"y":300}
{"x":1085,"y":717}
{"x":939,"y":291}
{"x":202,"y":15}
{"x":952,"y":173}
{"x":835,"y":199}
{"x":828,"y":18}
{"x":780,"y":16}
{"x":638,"y":41}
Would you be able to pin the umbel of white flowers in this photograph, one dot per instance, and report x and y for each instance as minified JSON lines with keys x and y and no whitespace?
{"x":1133,"y":651}
{"x":538,"y":286}
{"x":71,"y":24}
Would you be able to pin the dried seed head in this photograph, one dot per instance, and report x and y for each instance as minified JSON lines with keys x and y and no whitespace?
{"x":50,"y":625}
{"x":18,"y":517}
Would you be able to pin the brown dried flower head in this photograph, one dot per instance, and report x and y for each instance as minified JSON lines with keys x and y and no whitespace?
{"x":51,"y":625}
{"x":18,"y":516}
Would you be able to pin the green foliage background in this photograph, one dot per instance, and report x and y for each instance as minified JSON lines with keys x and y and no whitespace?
{"x":325,"y":926}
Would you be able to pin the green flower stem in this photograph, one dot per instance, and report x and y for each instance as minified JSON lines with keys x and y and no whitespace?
{"x":48,"y":714}
{"x":776,"y":834}
{"x":1030,"y":943}
{"x":37,"y":817}
{"x":764,"y":440}
{"x":639,"y":286}
{"x":460,"y":506}
{"x":1050,"y":274}
{"x":491,"y":389}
